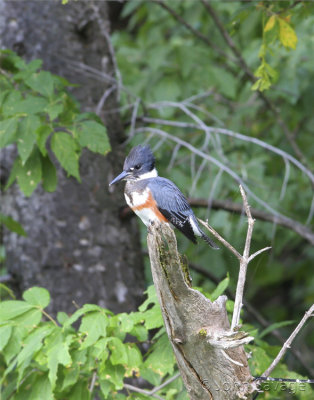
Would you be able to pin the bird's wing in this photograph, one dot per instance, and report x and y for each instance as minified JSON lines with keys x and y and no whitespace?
{"x":173,"y":205}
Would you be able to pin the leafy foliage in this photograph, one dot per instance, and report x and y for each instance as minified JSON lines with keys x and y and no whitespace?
{"x":44,"y":358}
{"x":92,"y":352}
{"x":36,"y":109}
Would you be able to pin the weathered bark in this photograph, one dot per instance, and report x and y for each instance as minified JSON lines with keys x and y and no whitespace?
{"x":210,"y":357}
{"x":77,"y":246}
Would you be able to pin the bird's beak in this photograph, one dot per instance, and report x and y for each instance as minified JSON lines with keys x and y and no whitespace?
{"x":119,"y":178}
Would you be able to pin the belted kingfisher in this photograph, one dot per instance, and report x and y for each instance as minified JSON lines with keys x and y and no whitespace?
{"x":154,"y":198}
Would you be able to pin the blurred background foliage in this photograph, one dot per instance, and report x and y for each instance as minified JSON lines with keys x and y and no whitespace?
{"x":170,"y":72}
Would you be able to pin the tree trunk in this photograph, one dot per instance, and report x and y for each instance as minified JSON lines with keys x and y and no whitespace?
{"x":76,"y":245}
{"x":210,"y":357}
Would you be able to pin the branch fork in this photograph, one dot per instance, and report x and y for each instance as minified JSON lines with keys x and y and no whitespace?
{"x":243,"y":259}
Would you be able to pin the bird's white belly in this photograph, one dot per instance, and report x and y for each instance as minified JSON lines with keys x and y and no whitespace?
{"x":146,"y":214}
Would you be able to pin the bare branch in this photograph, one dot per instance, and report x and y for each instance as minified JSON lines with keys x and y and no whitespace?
{"x":213,"y":160}
{"x":239,"y":136}
{"x":92,"y":385}
{"x":258,"y":252}
{"x":289,"y":341}
{"x":166,"y":383}
{"x":103,"y":99}
{"x":134,"y":116}
{"x":142,"y":391}
{"x":243,"y":264}
{"x":104,"y":31}
{"x":221,"y":239}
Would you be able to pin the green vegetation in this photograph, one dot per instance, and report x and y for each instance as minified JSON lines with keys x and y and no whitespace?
{"x":93,"y":351}
{"x":36,"y":108}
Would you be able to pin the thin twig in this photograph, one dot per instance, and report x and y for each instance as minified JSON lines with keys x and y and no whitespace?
{"x":155,"y":389}
{"x":104,"y":31}
{"x":221,"y":239}
{"x":134,"y":116}
{"x":289,"y":341}
{"x":104,"y":98}
{"x":167,"y":382}
{"x":142,"y":391}
{"x":195,"y":32}
{"x":228,"y":39}
{"x":92,"y":384}
{"x":252,"y":256}
{"x":243,"y":264}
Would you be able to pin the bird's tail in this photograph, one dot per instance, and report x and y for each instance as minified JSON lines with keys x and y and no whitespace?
{"x":210,"y":242}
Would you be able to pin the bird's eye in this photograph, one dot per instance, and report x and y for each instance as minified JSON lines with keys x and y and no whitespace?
{"x":137,"y":166}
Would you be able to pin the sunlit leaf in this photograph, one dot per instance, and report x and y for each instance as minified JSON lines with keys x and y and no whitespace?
{"x":287,"y":34}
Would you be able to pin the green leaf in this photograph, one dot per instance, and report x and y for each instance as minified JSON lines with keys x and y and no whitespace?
{"x":49,"y":175}
{"x":80,"y":391}
{"x":26,"y":136}
{"x":10,"y":102}
{"x":113,"y":373}
{"x":151,"y":298}
{"x":29,"y":319}
{"x":153,"y":318}
{"x":57,"y":346}
{"x":126,"y":322}
{"x":274,"y":326}
{"x":11,"y":308}
{"x":221,"y":287}
{"x":161,"y":359}
{"x":42,"y":83}
{"x":287,"y":34}
{"x":270,"y":23}
{"x":8,"y":129}
{"x":119,"y":353}
{"x":54,"y":109}
{"x":37,"y":296}
{"x":12,"y":225}
{"x":106,"y":387}
{"x":14,"y":170}
{"x":42,"y":134}
{"x":29,"y":105}
{"x":140,"y":332}
{"x":41,"y":389}
{"x":65,"y":149}
{"x":94,"y":136}
{"x":134,"y":356}
{"x":29,"y":175}
{"x":71,"y":376}
{"x":5,"y":334}
{"x":14,"y":344}
{"x":94,"y":325}
{"x":85,"y":309}
{"x":33,"y":343}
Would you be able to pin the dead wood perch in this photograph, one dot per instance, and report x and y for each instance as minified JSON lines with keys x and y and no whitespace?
{"x":210,"y":356}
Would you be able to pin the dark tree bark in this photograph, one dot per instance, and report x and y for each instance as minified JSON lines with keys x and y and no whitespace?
{"x":76,"y":245}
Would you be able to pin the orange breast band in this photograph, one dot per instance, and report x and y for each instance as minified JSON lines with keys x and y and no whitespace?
{"x":151,"y":204}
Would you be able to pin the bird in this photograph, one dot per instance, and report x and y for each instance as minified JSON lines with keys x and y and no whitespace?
{"x":154,"y":198}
